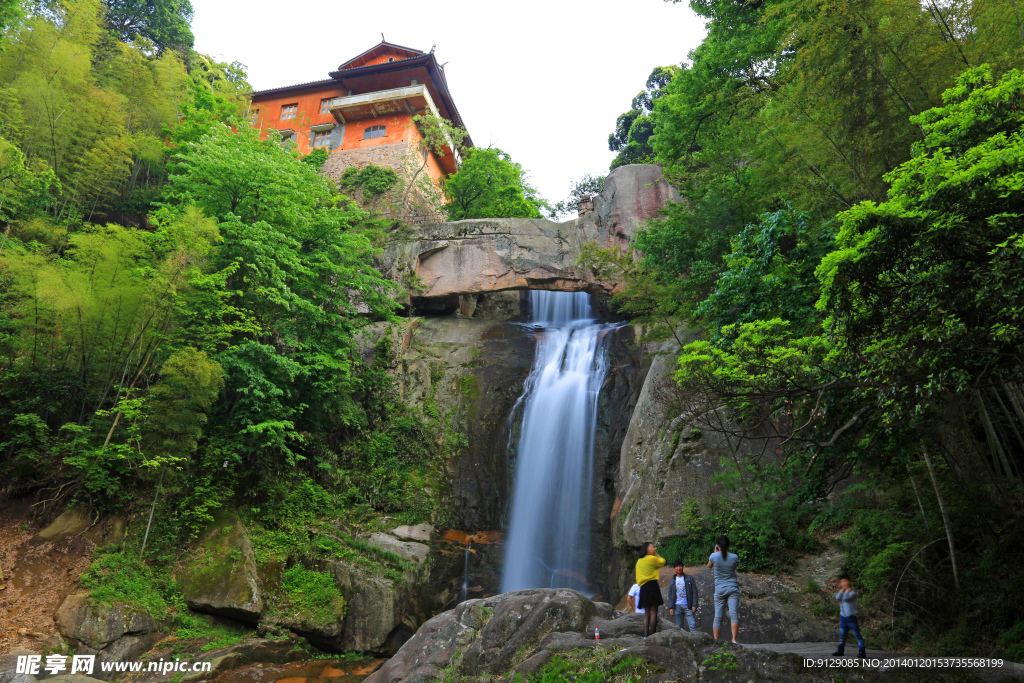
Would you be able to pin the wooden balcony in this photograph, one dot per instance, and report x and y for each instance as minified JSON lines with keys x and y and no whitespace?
{"x":412,"y":99}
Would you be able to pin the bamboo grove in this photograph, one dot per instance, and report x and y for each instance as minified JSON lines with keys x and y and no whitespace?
{"x":180,"y":300}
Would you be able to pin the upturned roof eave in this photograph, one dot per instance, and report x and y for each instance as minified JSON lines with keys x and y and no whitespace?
{"x":298,"y":86}
{"x":382,"y":43}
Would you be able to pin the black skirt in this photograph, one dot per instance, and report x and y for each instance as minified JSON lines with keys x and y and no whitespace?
{"x":650,"y":595}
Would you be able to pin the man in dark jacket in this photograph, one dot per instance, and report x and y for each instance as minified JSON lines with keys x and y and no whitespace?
{"x":682,"y":598}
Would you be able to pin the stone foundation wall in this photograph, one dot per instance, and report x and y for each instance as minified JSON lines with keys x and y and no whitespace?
{"x":425,"y":199}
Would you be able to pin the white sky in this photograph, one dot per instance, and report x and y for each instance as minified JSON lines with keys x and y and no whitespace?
{"x":543,"y":80}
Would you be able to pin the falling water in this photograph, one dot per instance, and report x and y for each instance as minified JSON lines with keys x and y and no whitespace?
{"x":465,"y":570}
{"x":548,"y":541}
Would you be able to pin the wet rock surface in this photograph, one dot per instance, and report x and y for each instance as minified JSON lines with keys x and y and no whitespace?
{"x":248,"y":652}
{"x":473,"y":372}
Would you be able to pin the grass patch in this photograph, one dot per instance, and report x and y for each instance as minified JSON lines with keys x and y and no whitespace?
{"x":189,"y":626}
{"x":121,"y":577}
{"x":595,"y":666}
{"x":723,"y":661}
{"x":313,"y":594}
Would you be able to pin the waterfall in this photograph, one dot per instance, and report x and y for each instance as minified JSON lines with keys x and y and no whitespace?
{"x":548,"y":542}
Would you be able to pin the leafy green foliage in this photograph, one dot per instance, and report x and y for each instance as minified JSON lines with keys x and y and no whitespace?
{"x":927,"y":285}
{"x":770,"y":273}
{"x":313,"y":594}
{"x":189,"y":626}
{"x":122,"y":577}
{"x":372,"y":180}
{"x":317,"y":158}
{"x":633,"y":130}
{"x":189,"y":384}
{"x":164,"y":22}
{"x":723,"y":661}
{"x":296,"y":262}
{"x":582,"y":188}
{"x":490,"y":185}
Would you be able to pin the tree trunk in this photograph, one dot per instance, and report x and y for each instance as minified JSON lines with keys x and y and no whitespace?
{"x":993,"y":441}
{"x":152,"y":509}
{"x":945,"y":515}
{"x":1013,"y":428}
{"x":917,"y":494}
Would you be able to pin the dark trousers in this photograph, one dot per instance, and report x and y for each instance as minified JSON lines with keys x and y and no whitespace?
{"x":849,"y":624}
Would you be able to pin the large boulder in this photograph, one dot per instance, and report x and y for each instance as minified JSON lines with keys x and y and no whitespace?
{"x":417,"y":532}
{"x":374,"y":607}
{"x":669,"y":456}
{"x":219,"y":575}
{"x":769,"y":609}
{"x":70,"y":523}
{"x":114,"y":632}
{"x":632,"y":194}
{"x":488,"y":633}
{"x":378,"y":611}
{"x":492,"y":254}
{"x":86,"y":622}
{"x":410,"y":551}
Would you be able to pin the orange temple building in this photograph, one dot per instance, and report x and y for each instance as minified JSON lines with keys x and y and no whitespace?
{"x":363,"y":114}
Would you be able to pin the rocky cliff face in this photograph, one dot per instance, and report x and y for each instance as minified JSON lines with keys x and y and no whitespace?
{"x":475,"y":370}
{"x":631,"y":195}
{"x":447,"y":260}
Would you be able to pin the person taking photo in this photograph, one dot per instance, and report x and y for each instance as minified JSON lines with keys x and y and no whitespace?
{"x":650,"y":592}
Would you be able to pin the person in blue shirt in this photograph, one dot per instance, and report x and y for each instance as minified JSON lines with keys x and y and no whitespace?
{"x":682,"y":598}
{"x":848,"y":616}
{"x":727,"y":587}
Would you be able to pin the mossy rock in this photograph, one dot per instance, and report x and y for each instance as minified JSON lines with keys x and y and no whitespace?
{"x":219,"y":575}
{"x":70,"y":523}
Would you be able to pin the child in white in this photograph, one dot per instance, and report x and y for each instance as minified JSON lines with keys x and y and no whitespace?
{"x":632,"y":597}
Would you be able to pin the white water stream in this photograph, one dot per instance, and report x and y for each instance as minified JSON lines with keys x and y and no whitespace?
{"x":548,"y":543}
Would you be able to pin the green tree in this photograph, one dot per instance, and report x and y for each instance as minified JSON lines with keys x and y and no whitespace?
{"x":164,"y":22}
{"x":582,"y":188}
{"x":490,"y":185}
{"x":189,"y":384}
{"x":633,"y":130}
{"x":301,"y":274}
{"x":926,"y":287}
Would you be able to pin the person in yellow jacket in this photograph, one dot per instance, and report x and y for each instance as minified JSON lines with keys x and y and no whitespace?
{"x":650,"y":592}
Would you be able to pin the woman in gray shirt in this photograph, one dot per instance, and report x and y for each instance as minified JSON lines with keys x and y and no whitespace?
{"x":727,"y":587}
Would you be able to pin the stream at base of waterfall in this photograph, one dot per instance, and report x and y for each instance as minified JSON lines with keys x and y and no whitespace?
{"x":548,"y":542}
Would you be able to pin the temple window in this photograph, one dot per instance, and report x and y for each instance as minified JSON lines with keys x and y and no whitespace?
{"x":322,"y":138}
{"x":289,"y":111}
{"x":325,"y":106}
{"x":374,"y":132}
